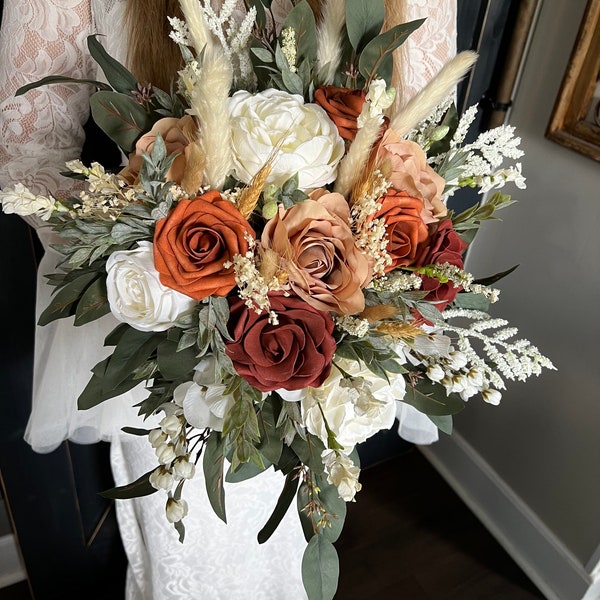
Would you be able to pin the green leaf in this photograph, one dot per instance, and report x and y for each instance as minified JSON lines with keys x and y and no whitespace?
{"x":62,"y":304}
{"x":270,"y":445}
{"x":283,"y":503}
{"x":262,"y":54}
{"x":364,"y":19}
{"x":320,"y":569}
{"x":431,"y":399}
{"x":245,"y":471}
{"x":116,"y":74}
{"x":471,"y":301}
{"x":497,"y":277}
{"x":93,"y":303}
{"x":136,"y":489}
{"x":376,"y":58}
{"x":443,"y":423}
{"x":174,"y":364}
{"x":336,"y":507}
{"x":309,"y":452}
{"x":302,"y":19}
{"x":59,"y":79}
{"x":120,"y":117}
{"x":212,"y":463}
{"x":135,"y":431}
{"x":180,"y":529}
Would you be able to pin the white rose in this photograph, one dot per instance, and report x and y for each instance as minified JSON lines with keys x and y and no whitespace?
{"x":20,"y":201}
{"x":342,"y":473}
{"x":310,"y":143}
{"x":203,"y":402}
{"x":354,"y":414}
{"x":135,"y":294}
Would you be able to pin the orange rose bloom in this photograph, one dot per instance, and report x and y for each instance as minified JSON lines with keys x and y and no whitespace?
{"x":193,"y":242}
{"x":404,"y":226}
{"x":342,"y":106}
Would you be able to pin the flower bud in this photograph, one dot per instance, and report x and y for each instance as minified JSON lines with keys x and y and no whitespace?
{"x":475,"y":378}
{"x":165,"y":454}
{"x":157,"y":438}
{"x":171,"y":425}
{"x":491,"y":396}
{"x":161,"y":479}
{"x":183,"y":468}
{"x":269,"y":210}
{"x":457,"y":360}
{"x":435,"y":373}
{"x":176,"y":510}
{"x":181,"y":446}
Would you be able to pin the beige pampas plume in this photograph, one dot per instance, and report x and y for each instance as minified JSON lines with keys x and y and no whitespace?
{"x":329,"y":39}
{"x":421,"y":105}
{"x":352,"y":165}
{"x":194,"y":18}
{"x":208,"y":102}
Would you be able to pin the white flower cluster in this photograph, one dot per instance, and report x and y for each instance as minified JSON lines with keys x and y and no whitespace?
{"x":20,"y":201}
{"x":398,"y":282}
{"x":429,"y":129}
{"x":353,"y":325}
{"x":288,"y":48}
{"x":342,"y":473}
{"x":377,"y":101}
{"x":180,"y":33}
{"x":370,"y":234}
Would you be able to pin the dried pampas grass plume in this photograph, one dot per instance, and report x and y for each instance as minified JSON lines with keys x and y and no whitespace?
{"x":196,"y":25}
{"x":329,"y":39}
{"x":421,"y":105}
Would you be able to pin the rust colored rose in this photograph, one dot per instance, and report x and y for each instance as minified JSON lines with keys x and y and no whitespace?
{"x":194,"y":241}
{"x":173,"y":131}
{"x":316,"y":249}
{"x":292,"y":355}
{"x":343,"y":106}
{"x":445,"y":247}
{"x":410,"y":173}
{"x":404,"y":226}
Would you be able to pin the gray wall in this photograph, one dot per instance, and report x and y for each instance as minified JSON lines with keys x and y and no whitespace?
{"x":544,"y":439}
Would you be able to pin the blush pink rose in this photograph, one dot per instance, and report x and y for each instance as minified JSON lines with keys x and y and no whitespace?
{"x":316,"y":249}
{"x":175,"y":133}
{"x":292,"y":355}
{"x":410,"y":173}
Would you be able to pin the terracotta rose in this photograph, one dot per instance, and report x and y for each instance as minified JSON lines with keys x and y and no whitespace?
{"x":292,"y":355}
{"x":195,"y":240}
{"x":410,"y":173}
{"x":343,"y":106}
{"x":405,"y":228}
{"x":173,"y":132}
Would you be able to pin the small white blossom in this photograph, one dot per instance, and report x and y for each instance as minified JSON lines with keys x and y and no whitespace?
{"x":492,"y":396}
{"x":20,"y":201}
{"x":157,"y":438}
{"x":165,"y":454}
{"x":183,"y":468}
{"x":176,"y":510}
{"x":435,"y":372}
{"x":342,"y":473}
{"x":162,"y":479}
{"x":171,"y":425}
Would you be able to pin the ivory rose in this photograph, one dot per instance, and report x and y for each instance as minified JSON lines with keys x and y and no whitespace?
{"x":175,"y":133}
{"x":317,"y":251}
{"x":196,"y":239}
{"x":410,"y":173}
{"x":404,"y":225}
{"x":302,"y":136}
{"x":135,"y":294}
{"x":292,"y":355}
{"x":343,"y":106}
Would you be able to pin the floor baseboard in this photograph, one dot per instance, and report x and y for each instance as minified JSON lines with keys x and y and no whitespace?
{"x":11,"y":570}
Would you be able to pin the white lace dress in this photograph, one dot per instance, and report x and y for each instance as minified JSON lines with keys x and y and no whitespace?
{"x":38,"y":133}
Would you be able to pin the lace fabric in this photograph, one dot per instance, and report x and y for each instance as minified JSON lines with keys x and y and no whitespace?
{"x":40,"y":131}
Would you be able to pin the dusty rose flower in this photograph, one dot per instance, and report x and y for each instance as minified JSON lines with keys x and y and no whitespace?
{"x":173,"y":132}
{"x":343,"y":106}
{"x":445,"y":247}
{"x":317,"y":250}
{"x":404,"y":226}
{"x":412,"y":174}
{"x":292,"y":355}
{"x":195,"y":240}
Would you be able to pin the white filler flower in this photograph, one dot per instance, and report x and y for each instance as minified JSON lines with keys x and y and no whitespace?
{"x":306,"y":139}
{"x":135,"y":294}
{"x":20,"y":201}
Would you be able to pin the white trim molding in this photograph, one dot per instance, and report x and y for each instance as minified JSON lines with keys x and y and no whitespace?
{"x":11,"y":570}
{"x":543,"y":557}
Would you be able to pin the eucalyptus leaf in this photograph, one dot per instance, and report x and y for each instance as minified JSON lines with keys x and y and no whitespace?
{"x":442,"y":422}
{"x":364,"y":19}
{"x":120,"y":117}
{"x":471,"y":301}
{"x":262,"y":54}
{"x":212,"y":463}
{"x":116,"y":74}
{"x":283,"y":503}
{"x":376,"y":58}
{"x":431,"y":399}
{"x":63,"y":303}
{"x":174,"y":363}
{"x":497,"y":277}
{"x":320,"y":569}
{"x":60,"y":79}
{"x":93,"y":304}
{"x":135,"y":489}
{"x":135,"y":431}
{"x":245,"y":471}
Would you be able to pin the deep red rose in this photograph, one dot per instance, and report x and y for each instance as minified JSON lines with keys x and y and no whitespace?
{"x":405,"y":228}
{"x":445,"y":247}
{"x":343,"y":106}
{"x":195,"y":240}
{"x":292,"y":355}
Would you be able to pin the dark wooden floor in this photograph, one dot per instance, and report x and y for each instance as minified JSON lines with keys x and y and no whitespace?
{"x":409,"y":537}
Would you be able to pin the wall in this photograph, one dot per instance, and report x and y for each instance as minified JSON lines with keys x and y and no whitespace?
{"x":531,"y":467}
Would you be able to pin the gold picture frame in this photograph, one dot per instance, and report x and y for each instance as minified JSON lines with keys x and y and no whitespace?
{"x":575,"y":121}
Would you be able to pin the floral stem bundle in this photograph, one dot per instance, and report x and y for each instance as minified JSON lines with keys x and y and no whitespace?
{"x":280,"y":257}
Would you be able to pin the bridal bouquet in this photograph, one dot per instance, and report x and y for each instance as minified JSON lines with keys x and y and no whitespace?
{"x":280,"y":256}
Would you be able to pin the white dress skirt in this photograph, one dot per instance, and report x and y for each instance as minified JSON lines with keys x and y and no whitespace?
{"x":38,"y":133}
